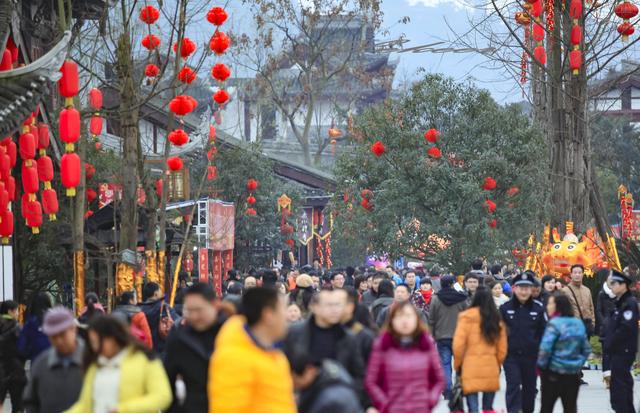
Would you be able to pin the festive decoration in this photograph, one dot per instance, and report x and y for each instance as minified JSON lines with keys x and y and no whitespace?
{"x":95,"y":99}
{"x":45,"y":169}
{"x":50,"y":203}
{"x":30,"y":181}
{"x":212,"y":172}
{"x":251,"y":212}
{"x":434,"y":153}
{"x":69,"y":127}
{"x":178,"y":137}
{"x":489,"y":184}
{"x":149,"y":14}
{"x":626,"y":11}
{"x":221,"y":97}
{"x":252,"y":185}
{"x":182,"y":105}
{"x":490,"y":206}
{"x":187,"y":47}
{"x":219,"y":42}
{"x":186,"y":75}
{"x":6,"y":226}
{"x":378,"y":148}
{"x":217,"y":16}
{"x":432,"y":135}
{"x":151,"y":70}
{"x":68,"y":84}
{"x":27,"y":145}
{"x":540,"y":54}
{"x":150,"y":42}
{"x":95,"y":126}
{"x":91,"y":195}
{"x":513,"y":191}
{"x":89,"y":171}
{"x":220,"y":72}
{"x":575,"y":61}
{"x":251,"y":200}
{"x":175,"y":164}
{"x":5,"y":61}
{"x":493,"y":223}
{"x":70,"y":172}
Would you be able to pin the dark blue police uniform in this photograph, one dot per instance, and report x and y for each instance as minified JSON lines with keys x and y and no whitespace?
{"x":621,"y":343}
{"x":525,"y":326}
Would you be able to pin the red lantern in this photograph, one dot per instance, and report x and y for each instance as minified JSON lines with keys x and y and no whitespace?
{"x":5,"y":62}
{"x":187,"y":47}
{"x":221,"y":97}
{"x":151,"y":70}
{"x":490,"y":206}
{"x":366,"y":204}
{"x":219,"y":42}
{"x":69,"y":126}
{"x":493,"y":223}
{"x":576,"y":35}
{"x":5,"y":165}
{"x":11,"y":46}
{"x":626,"y":10}
{"x":536,"y":9}
{"x":182,"y":105}
{"x":33,"y":216}
{"x":489,"y":184}
{"x":45,"y":168}
{"x":538,"y":32}
{"x":159,"y":187}
{"x":178,"y":137}
{"x":220,"y":72}
{"x":290,"y":243}
{"x":575,"y":9}
{"x":211,"y":152}
{"x":150,"y":42}
{"x":91,"y":195}
{"x":175,"y":163}
{"x":30,"y":182}
{"x":212,"y":172}
{"x":434,"y":153}
{"x":432,"y":135}
{"x":252,"y":185}
{"x":70,"y":172}
{"x":89,"y":170}
{"x":212,"y":133}
{"x":95,"y":98}
{"x":513,"y":191}
{"x":575,"y":61}
{"x":540,"y":54}
{"x":251,"y":200}
{"x":10,"y":186}
{"x":217,"y":16}
{"x":251,"y":212}
{"x":378,"y":148}
{"x":50,"y":203}
{"x":149,"y":14}
{"x":98,"y":145}
{"x":88,"y":214}
{"x":6,"y":225}
{"x":4,"y":198}
{"x":12,"y":151}
{"x":366,"y":194}
{"x":68,"y":83}
{"x":95,"y":125}
{"x":43,"y":137}
{"x":626,"y":30}
{"x":27,"y":146}
{"x":186,"y":75}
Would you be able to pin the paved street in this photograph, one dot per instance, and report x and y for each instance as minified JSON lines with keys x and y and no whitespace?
{"x":593,"y":398}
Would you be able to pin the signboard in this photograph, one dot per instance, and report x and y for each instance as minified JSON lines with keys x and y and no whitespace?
{"x":221,"y":234}
{"x":203,"y":265}
{"x":108,"y":192}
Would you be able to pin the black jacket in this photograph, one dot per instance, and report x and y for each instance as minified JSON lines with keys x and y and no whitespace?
{"x":621,"y":336}
{"x":152,"y":310}
{"x":11,"y":365}
{"x":331,"y":391}
{"x":364,"y":337}
{"x":604,"y":307}
{"x":347,"y":352}
{"x":525,"y":326}
{"x":187,"y":354}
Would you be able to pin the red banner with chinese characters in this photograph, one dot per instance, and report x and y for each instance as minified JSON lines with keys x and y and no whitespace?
{"x":203,"y":265}
{"x":217,"y":272}
{"x":227,"y":263}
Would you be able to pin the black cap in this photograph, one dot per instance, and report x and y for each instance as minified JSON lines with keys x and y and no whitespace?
{"x":620,"y":277}
{"x":526,"y":278}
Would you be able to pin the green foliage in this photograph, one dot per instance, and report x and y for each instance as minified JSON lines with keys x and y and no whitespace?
{"x":235,"y":166}
{"x":416,"y":197}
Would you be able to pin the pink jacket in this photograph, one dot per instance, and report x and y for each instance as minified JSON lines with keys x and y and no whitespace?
{"x":404,"y":380}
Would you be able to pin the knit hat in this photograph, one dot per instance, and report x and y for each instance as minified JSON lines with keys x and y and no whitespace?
{"x":304,"y":281}
{"x":57,"y":320}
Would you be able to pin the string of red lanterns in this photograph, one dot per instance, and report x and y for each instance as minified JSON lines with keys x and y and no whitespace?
{"x":626,"y":11}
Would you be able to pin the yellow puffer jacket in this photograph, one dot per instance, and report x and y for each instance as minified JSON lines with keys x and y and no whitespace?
{"x":244,"y":378}
{"x":144,"y":386}
{"x":480,"y":361}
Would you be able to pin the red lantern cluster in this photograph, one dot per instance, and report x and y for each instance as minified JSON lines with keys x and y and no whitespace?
{"x":626,"y":11}
{"x":95,"y":123}
{"x":69,"y":128}
{"x":378,"y":148}
{"x":433,"y":136}
{"x":252,"y":185}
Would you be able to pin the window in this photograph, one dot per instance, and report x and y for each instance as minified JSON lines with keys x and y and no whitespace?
{"x":178,"y":185}
{"x":609,"y":101}
{"x":635,"y":98}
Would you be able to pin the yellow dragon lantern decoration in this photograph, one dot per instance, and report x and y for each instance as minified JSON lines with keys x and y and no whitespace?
{"x":556,"y":255}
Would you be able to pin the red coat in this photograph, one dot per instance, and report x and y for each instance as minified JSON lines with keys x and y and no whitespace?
{"x":404,"y":380}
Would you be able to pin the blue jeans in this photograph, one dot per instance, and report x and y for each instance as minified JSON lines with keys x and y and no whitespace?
{"x":446,"y":354}
{"x":487,"y":402}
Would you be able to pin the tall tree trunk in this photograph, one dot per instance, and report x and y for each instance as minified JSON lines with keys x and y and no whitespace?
{"x":77,"y":231}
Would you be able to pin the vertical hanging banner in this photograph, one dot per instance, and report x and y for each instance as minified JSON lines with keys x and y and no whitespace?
{"x":217,"y":272}
{"x":227,"y":263}
{"x":203,"y":265}
{"x":221,"y":225}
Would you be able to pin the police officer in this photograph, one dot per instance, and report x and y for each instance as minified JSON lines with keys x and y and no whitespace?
{"x":525,"y":322}
{"x":621,"y":342}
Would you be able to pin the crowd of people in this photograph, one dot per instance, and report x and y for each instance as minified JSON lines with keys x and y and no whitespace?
{"x":311,"y":341}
